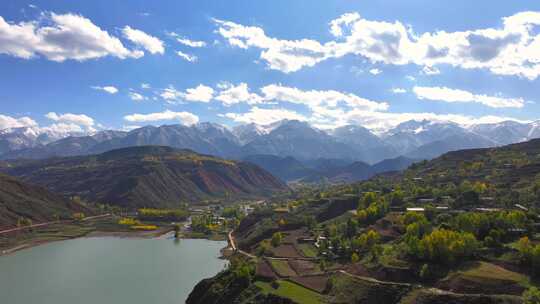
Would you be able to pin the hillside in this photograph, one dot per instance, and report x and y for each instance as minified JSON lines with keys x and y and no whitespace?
{"x":19,"y":199}
{"x":151,"y":176}
{"x":509,"y":173}
{"x":472,"y":236}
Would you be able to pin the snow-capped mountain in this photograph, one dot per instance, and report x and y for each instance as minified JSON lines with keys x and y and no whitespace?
{"x":414,"y":139}
{"x":506,"y":132}
{"x":13,"y":139}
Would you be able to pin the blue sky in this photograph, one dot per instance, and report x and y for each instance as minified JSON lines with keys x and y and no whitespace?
{"x":103,"y":64}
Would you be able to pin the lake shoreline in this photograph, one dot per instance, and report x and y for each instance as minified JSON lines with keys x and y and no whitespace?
{"x":161,"y":233}
{"x":181,"y":264}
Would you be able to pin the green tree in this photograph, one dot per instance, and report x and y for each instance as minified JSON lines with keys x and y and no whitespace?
{"x":176,"y":231}
{"x":277,"y":238}
{"x":531,"y":296}
{"x":355,"y":258}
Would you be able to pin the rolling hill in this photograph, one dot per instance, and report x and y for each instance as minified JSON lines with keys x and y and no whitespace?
{"x":147,"y":176}
{"x":19,"y":199}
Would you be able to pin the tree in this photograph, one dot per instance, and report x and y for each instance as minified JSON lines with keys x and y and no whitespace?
{"x":79,"y":216}
{"x":176,"y":231}
{"x":531,"y":296}
{"x":425,"y":272}
{"x":277,"y":238}
{"x":368,"y":199}
{"x":443,"y":245}
{"x":352,"y":227}
{"x":355,"y":258}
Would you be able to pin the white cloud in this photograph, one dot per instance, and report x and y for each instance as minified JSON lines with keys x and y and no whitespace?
{"x":508,"y":50}
{"x":69,"y":118}
{"x":375,"y":71}
{"x":201,"y":93}
{"x":264,"y":116}
{"x":136,"y":96}
{"x":231,"y":94}
{"x":8,"y":122}
{"x":284,"y":55}
{"x":186,"y":41}
{"x":319,"y":99}
{"x":140,"y":38}
{"x":108,"y":89}
{"x":453,"y":95}
{"x":187,"y":57}
{"x":380,"y":122}
{"x":60,"y":37}
{"x":399,"y":91}
{"x":410,"y":78}
{"x":344,"y":22}
{"x":185,"y":118}
{"x":145,"y":86}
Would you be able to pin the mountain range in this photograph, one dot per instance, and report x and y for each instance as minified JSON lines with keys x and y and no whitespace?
{"x":288,"y":138}
{"x":323,"y":170}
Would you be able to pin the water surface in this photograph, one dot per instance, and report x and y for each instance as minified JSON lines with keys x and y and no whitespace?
{"x":108,"y":270}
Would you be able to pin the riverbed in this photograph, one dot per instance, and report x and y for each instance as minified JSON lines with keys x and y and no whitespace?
{"x":108,"y":270}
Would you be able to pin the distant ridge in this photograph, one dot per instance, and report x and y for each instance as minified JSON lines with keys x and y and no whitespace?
{"x":423,"y":139}
{"x":147,"y":176}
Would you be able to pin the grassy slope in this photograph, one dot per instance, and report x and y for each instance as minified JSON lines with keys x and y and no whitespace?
{"x":291,"y":291}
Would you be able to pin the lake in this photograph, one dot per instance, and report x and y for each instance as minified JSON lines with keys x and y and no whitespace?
{"x":108,"y":270}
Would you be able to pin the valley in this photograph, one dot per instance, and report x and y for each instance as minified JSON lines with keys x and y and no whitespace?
{"x":269,"y":152}
{"x":461,"y":227}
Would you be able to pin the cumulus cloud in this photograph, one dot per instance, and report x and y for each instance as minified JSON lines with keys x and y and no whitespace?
{"x":150,"y":43}
{"x":284,"y":55}
{"x":8,"y":122}
{"x":107,"y":89}
{"x":201,"y":93}
{"x":69,"y":124}
{"x":330,"y":109}
{"x":185,"y":118}
{"x":145,"y":86}
{"x":508,"y":50}
{"x":338,"y":25}
{"x":231,"y":94}
{"x":69,"y":118}
{"x":60,"y":37}
{"x":187,"y":57}
{"x":264,"y":116}
{"x":316,"y":99}
{"x":453,"y":95}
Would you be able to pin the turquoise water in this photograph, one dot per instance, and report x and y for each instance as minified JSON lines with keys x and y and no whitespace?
{"x":108,"y":270}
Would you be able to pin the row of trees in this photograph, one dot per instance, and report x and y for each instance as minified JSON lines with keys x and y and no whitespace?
{"x":371,"y":208}
{"x":443,"y":246}
{"x":166,"y":215}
